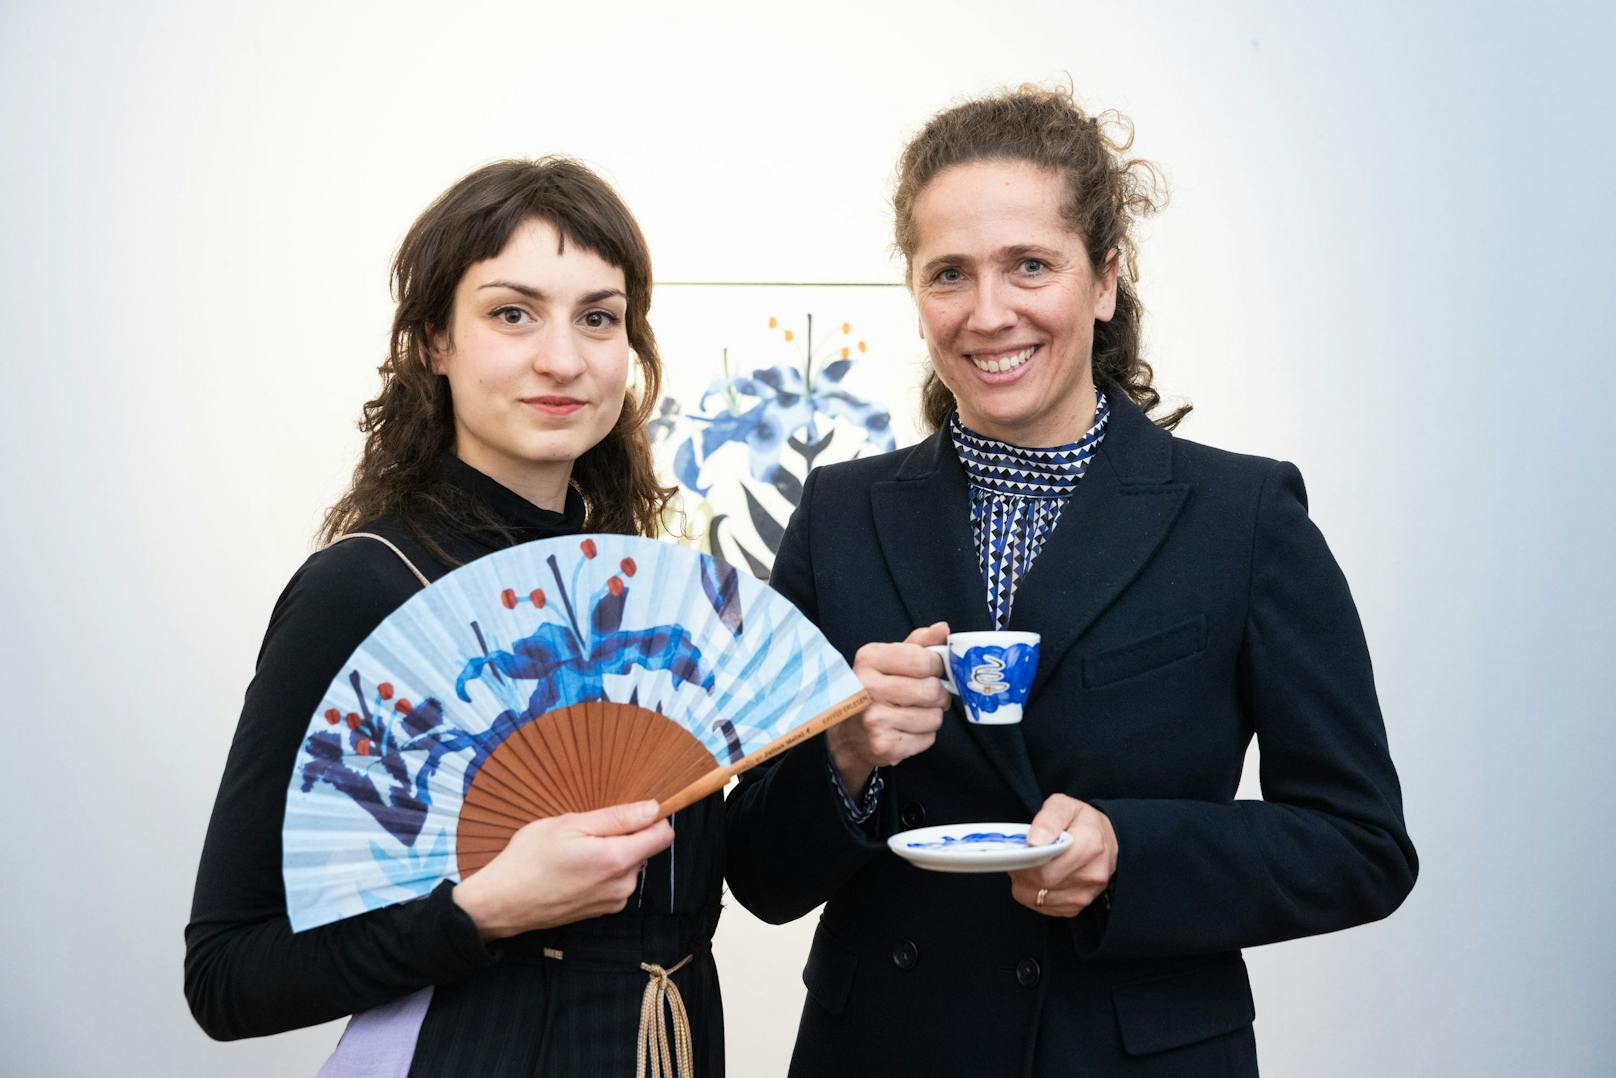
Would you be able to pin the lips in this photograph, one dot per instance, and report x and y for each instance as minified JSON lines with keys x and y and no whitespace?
{"x":554,"y":405}
{"x":1001,"y":362}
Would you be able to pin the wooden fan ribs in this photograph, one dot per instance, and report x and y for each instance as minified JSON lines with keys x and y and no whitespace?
{"x":499,"y":792}
{"x":539,"y":767}
{"x":573,"y":759}
{"x":518,"y":773}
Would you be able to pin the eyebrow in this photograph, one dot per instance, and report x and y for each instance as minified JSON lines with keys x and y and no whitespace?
{"x":1024,"y":250}
{"x":1003,"y":254}
{"x":533,"y":293}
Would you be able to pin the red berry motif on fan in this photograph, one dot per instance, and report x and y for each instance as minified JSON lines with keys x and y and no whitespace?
{"x":514,"y":708}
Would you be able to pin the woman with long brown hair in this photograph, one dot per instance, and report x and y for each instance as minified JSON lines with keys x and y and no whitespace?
{"x":506,"y":414}
{"x":1185,"y":604}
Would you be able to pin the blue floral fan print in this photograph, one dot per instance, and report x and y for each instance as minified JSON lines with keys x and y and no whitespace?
{"x":555,"y":676}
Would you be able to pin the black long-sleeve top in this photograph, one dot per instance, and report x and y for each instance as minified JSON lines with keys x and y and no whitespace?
{"x":246,"y":973}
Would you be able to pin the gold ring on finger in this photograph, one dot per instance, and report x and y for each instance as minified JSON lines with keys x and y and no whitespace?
{"x":1043,"y":893}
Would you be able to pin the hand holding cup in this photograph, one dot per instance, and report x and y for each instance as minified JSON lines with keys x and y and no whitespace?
{"x":905,"y":712}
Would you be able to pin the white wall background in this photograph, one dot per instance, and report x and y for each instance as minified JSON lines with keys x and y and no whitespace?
{"x":1387,"y":259}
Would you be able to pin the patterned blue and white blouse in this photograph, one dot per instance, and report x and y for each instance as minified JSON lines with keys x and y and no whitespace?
{"x":1017,"y":495}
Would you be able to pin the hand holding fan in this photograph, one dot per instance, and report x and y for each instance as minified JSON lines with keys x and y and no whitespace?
{"x":557,"y":676}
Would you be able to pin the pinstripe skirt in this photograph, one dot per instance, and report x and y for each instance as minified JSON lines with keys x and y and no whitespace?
{"x":566,"y":1002}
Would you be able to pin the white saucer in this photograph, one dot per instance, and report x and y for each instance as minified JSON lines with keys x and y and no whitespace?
{"x":974,"y":847}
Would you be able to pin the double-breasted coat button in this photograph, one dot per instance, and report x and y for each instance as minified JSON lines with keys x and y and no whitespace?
{"x":905,"y":955}
{"x":913,"y":814}
{"x":1027,"y":973}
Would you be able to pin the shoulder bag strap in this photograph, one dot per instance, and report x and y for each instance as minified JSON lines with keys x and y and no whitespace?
{"x":388,"y":543}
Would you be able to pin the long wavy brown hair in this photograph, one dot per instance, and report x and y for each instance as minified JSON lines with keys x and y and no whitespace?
{"x":1106,"y":191}
{"x":410,"y":424}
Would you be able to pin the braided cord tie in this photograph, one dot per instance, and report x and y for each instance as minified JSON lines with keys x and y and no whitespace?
{"x":653,"y":1037}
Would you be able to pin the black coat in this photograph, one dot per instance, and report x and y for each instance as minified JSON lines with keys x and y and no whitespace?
{"x":1186,"y":604}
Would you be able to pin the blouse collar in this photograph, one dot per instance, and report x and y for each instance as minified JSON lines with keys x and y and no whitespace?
{"x":1050,"y":472}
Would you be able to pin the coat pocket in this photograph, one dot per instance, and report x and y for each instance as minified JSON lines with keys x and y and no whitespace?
{"x":1176,"y":1009}
{"x":1142,"y":656}
{"x":828,"y":976}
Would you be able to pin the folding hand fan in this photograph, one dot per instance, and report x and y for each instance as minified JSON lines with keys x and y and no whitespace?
{"x":556,"y":676}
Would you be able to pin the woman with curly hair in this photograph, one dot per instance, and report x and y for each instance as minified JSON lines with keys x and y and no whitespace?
{"x":506,"y":414}
{"x":1185,"y":604}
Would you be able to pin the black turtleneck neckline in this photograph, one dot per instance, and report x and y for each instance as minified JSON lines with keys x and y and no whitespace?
{"x":522,"y":518}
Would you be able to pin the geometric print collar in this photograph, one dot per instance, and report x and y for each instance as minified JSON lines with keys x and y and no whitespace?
{"x":1002,"y":468}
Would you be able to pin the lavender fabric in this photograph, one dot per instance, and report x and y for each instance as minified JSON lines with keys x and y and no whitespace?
{"x":380,"y":1042}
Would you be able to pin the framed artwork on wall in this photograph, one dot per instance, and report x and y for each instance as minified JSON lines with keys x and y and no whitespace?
{"x":765,"y":381}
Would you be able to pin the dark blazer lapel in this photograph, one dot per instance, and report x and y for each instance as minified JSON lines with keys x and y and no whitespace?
{"x":1115,"y":520}
{"x":923,"y":519}
{"x":924,"y":523}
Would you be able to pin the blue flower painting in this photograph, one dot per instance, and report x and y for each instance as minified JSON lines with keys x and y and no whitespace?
{"x":785,"y":416}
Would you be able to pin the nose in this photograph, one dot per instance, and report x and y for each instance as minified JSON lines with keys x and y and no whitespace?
{"x":556,"y":355}
{"x":991,"y":311}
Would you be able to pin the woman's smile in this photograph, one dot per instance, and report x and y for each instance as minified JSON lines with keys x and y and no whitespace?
{"x":1002,"y":362}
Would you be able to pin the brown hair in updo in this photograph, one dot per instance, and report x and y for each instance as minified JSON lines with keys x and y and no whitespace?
{"x":1105,"y":193}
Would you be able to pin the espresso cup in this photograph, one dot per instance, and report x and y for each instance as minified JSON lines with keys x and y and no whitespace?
{"x":991,"y":672}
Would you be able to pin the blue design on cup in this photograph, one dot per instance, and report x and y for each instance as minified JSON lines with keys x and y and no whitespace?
{"x":991,"y":677}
